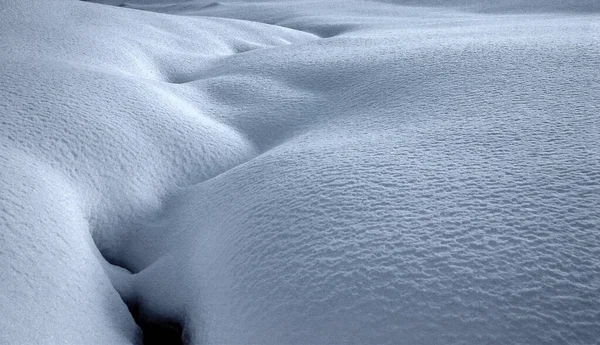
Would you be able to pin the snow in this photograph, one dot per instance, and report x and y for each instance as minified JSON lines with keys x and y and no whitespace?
{"x":300,"y":172}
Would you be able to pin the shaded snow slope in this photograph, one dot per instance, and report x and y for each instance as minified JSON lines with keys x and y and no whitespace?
{"x":304,"y":172}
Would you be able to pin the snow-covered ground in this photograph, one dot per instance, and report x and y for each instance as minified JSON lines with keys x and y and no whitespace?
{"x":300,"y":172}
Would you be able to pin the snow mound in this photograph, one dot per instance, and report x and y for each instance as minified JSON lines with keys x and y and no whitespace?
{"x":307,"y":172}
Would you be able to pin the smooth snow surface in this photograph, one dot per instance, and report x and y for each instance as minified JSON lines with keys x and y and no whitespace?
{"x":300,"y":172}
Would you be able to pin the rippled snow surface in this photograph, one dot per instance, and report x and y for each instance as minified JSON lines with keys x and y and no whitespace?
{"x":300,"y":172}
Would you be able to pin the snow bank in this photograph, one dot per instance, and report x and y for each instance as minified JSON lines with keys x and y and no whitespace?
{"x":299,"y":172}
{"x":93,"y":136}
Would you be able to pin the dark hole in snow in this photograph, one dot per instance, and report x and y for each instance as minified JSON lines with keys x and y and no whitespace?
{"x":157,"y":331}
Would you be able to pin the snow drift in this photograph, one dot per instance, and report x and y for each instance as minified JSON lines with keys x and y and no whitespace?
{"x":307,"y":172}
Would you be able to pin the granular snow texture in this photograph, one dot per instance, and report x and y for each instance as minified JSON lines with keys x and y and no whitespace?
{"x":300,"y":172}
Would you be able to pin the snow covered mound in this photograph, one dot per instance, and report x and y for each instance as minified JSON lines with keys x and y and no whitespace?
{"x":300,"y":172}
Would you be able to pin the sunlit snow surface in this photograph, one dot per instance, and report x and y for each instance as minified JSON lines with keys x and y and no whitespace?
{"x":301,"y":172}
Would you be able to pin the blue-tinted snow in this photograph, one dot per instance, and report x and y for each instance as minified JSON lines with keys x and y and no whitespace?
{"x":308,"y":172}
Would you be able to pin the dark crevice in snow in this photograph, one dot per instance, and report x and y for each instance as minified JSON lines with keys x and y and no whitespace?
{"x":157,"y":330}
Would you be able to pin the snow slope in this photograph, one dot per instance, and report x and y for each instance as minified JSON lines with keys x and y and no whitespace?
{"x":300,"y":172}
